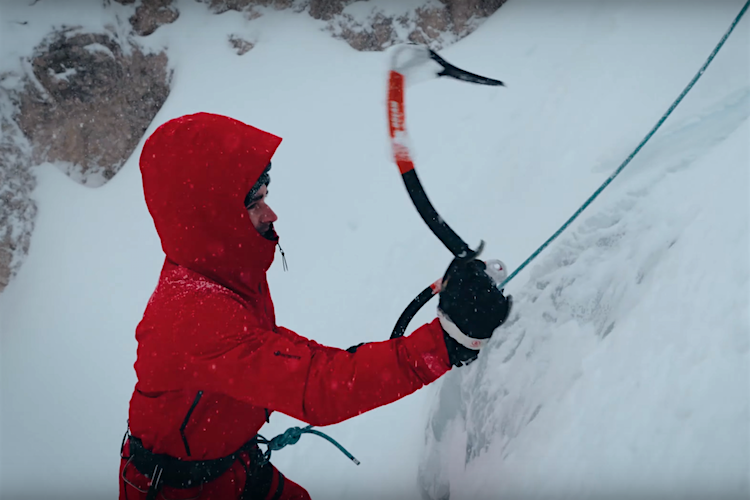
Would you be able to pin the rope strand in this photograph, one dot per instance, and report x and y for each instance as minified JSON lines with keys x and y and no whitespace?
{"x":292,"y":435}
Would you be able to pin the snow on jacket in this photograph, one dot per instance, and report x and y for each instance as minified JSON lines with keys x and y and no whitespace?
{"x":210,"y":325}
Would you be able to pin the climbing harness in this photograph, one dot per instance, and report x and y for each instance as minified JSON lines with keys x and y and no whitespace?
{"x":165,"y":470}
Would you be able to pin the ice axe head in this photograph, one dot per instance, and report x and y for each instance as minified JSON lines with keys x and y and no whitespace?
{"x":419,"y":63}
{"x":414,"y":63}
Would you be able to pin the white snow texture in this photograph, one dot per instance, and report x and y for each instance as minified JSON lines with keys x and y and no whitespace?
{"x":623,"y":371}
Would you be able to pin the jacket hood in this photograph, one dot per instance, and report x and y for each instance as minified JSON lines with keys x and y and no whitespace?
{"x":196,"y":172}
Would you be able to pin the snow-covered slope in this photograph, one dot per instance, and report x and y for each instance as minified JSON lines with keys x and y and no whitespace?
{"x":626,"y":362}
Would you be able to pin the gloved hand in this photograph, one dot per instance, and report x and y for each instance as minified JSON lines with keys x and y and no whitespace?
{"x":471,"y":308}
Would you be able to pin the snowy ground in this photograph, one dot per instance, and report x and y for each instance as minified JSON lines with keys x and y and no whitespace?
{"x":625,"y":368}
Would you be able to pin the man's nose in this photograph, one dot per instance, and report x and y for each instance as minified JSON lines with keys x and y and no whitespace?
{"x":269,"y":216}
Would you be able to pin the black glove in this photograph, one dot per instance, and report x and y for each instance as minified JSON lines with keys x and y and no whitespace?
{"x":471,"y":308}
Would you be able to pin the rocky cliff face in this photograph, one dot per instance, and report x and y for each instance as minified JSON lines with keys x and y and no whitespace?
{"x":151,"y":14}
{"x":17,"y":209}
{"x":84,"y":99}
{"x":88,"y":101}
{"x":435,"y":23}
{"x":83,"y":103}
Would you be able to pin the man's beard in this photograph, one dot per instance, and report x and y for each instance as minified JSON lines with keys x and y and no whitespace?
{"x":270,"y":233}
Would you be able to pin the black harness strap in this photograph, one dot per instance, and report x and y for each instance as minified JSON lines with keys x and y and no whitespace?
{"x":279,"y":487}
{"x":258,"y":479}
{"x":165,"y":470}
{"x":169,"y":471}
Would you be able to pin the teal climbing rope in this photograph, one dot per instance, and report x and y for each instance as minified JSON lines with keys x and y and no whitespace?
{"x":292,"y":435}
{"x":637,"y":149}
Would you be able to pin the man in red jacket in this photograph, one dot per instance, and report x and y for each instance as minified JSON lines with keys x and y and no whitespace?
{"x":213,"y":364}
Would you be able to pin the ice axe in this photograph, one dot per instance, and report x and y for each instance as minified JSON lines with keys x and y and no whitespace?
{"x":411,"y":62}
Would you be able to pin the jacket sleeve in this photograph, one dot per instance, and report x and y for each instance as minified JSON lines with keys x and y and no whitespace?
{"x":320,"y":385}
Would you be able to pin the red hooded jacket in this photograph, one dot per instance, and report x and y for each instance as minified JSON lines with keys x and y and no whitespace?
{"x":210,"y":325}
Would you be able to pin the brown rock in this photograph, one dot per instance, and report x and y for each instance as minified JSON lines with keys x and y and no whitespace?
{"x":457,"y":17}
{"x":463,"y":11}
{"x":6,"y":257}
{"x":326,"y":9}
{"x":319,"y":9}
{"x":220,"y":6}
{"x":151,"y":14}
{"x":89,"y":102}
{"x":241,"y":45}
{"x":489,"y":7}
{"x":378,"y":36}
{"x":431,"y":24}
{"x":17,"y":209}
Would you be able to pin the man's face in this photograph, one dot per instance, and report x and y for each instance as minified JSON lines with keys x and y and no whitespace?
{"x":261,"y":214}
